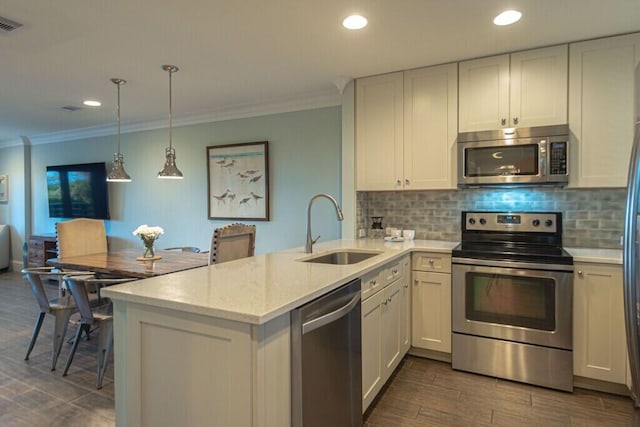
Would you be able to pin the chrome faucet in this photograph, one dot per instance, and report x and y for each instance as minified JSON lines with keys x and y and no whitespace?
{"x":308,"y":248}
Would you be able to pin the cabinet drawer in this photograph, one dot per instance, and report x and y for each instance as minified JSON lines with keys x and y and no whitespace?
{"x":36,"y":244}
{"x":428,"y":261}
{"x":391,"y":273}
{"x":371,"y":283}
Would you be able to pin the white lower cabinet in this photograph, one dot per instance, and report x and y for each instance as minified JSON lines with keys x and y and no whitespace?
{"x":431,"y":311}
{"x":431,"y":302}
{"x":384,"y":330}
{"x":599,"y":341}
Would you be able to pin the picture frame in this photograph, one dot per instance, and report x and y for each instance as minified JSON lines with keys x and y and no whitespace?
{"x":4,"y":188}
{"x":238,"y":181}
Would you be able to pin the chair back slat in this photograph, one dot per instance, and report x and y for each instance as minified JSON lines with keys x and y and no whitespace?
{"x":78,"y":289}
{"x":34,"y":277}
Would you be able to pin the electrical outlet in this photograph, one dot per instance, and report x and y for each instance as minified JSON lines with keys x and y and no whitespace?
{"x":362,"y":232}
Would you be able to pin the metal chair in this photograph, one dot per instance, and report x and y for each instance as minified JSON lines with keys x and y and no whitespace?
{"x":184,"y":249}
{"x":92,"y":317}
{"x":61,"y":308}
{"x":231,"y":242}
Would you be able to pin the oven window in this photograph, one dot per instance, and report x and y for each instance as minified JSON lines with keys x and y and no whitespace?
{"x":511,"y":300}
{"x":502,"y":160}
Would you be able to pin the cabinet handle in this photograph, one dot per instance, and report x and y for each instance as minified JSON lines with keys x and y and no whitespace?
{"x":431,"y":262}
{"x":406,"y":285}
{"x":503,"y":121}
{"x":580,"y":273}
{"x":399,"y":182}
{"x":515,"y":120}
{"x":416,"y":282}
{"x":406,"y":181}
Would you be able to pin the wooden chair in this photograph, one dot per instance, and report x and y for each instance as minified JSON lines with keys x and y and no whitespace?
{"x":231,"y":242}
{"x":90,"y":316}
{"x":61,"y":308}
{"x":82,"y":236}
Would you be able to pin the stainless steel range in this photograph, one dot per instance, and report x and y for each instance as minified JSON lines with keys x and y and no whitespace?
{"x":512,"y":298}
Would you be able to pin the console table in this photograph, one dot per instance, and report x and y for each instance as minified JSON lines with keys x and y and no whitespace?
{"x":40,"y":248}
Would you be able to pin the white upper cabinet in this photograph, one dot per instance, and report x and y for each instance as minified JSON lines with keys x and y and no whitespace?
{"x":518,"y":90}
{"x":430,"y":127}
{"x":379,"y":132}
{"x":601,"y":110}
{"x":406,"y":129}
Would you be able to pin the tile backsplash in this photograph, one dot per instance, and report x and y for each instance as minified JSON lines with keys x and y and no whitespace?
{"x":592,"y":218}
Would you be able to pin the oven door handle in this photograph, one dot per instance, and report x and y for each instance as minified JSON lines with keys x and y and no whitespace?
{"x":512,"y":264}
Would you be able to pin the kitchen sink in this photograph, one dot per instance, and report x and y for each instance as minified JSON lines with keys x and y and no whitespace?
{"x":342,"y":257}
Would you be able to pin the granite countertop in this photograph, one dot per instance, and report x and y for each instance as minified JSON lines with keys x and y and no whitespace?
{"x":604,"y":256}
{"x":258,"y":289}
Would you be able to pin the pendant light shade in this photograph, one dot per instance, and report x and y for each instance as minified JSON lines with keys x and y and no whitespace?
{"x":170,"y":170}
{"x":118,"y":174}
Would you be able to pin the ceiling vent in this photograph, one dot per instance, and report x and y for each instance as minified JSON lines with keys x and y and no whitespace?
{"x":7,"y":25}
{"x":70,"y":108}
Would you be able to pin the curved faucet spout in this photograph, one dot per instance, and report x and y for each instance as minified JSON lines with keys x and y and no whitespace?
{"x":308,"y":248}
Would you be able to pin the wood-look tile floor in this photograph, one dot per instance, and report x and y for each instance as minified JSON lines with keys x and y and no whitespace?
{"x":30,"y":393}
{"x":420,"y":393}
{"x":424,"y":392}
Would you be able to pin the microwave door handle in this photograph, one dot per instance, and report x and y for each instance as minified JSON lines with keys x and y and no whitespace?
{"x":544,"y":153}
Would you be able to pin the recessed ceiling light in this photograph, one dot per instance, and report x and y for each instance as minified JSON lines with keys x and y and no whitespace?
{"x":354,"y":22}
{"x":90,"y":103}
{"x":507,"y":17}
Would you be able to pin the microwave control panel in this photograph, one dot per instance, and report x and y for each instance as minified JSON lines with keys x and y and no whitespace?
{"x":558,"y":158}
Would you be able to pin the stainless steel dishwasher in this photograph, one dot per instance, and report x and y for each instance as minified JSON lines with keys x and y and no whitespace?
{"x":326,"y":360}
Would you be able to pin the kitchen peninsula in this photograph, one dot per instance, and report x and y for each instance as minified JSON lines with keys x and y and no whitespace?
{"x":212,"y":344}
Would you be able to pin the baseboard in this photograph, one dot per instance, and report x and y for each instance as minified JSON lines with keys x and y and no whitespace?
{"x":430,"y":354}
{"x":599,"y":385}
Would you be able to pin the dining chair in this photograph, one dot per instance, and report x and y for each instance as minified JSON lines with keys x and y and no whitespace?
{"x":81,"y":236}
{"x":61,"y":308}
{"x":100,"y":317}
{"x":231,"y":242}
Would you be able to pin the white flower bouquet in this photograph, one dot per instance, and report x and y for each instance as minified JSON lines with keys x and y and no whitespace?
{"x":148,"y":235}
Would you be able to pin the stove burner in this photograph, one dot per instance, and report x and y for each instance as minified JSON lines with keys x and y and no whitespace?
{"x":513,"y":236}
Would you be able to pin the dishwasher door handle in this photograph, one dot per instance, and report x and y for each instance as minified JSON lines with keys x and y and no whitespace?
{"x":314,"y":324}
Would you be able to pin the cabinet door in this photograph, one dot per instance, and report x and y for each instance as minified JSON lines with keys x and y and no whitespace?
{"x":405,"y":306}
{"x":599,"y":343}
{"x":601,"y":110}
{"x":372,"y":373}
{"x":379,"y":132}
{"x":484,"y":94}
{"x":391,"y":321}
{"x":431,"y":311}
{"x":538,"y":87}
{"x":430,"y":127}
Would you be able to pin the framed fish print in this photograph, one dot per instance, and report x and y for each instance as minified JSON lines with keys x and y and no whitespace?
{"x":238,"y":181}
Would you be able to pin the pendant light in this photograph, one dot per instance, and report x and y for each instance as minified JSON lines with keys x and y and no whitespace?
{"x":118,"y":174}
{"x":170,"y":170}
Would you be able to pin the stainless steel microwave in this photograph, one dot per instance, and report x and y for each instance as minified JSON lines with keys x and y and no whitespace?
{"x":514,"y":156}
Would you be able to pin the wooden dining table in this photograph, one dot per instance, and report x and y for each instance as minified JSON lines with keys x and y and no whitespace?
{"x":126,"y":263}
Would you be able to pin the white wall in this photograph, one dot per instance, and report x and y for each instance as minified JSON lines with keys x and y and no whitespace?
{"x":13,"y":211}
{"x":304,"y":159}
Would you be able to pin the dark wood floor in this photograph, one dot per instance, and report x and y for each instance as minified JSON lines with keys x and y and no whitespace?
{"x":421,"y":392}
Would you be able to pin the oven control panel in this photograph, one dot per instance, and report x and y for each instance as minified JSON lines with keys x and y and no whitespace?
{"x":521,"y":222}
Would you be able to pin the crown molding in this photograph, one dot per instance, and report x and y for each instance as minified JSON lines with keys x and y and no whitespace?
{"x":17,"y":142}
{"x":308,"y":102}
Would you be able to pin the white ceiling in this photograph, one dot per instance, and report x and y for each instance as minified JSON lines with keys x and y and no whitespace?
{"x":242,"y":56}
